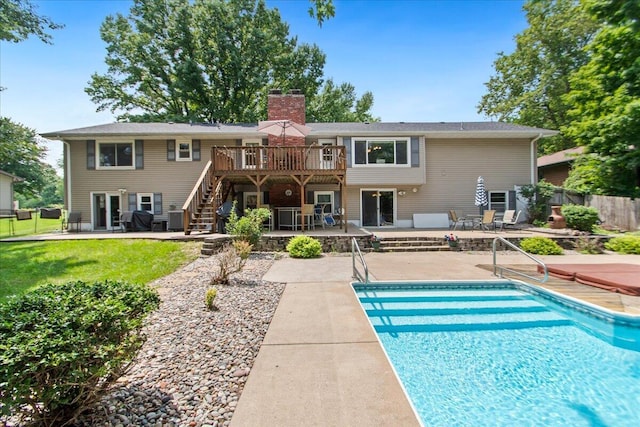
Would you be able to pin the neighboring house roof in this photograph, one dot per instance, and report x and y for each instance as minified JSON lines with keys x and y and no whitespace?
{"x":564,"y":156}
{"x":435,"y":129}
{"x":15,"y":178}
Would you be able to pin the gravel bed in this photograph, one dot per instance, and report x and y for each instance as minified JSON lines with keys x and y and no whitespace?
{"x":194,"y":364}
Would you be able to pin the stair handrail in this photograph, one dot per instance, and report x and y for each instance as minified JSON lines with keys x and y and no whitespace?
{"x":496,"y":267}
{"x":191,"y":205}
{"x":355,"y":248}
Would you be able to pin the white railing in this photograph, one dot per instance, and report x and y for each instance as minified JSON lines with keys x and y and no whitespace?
{"x":498,"y":270}
{"x":364,"y":276}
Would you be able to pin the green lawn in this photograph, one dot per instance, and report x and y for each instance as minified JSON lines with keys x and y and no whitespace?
{"x":28,"y":226}
{"x":26,"y":265}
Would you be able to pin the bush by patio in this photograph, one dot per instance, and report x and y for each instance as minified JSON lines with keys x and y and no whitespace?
{"x":581,"y":218}
{"x":62,"y":345}
{"x":624,"y":245}
{"x":304,"y":247}
{"x":540,"y":246}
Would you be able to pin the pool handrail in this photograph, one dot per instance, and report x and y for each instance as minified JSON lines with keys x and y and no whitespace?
{"x":496,"y":267}
{"x":364,"y":278}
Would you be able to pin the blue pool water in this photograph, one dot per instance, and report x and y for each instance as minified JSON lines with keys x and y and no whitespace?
{"x":501,"y":356}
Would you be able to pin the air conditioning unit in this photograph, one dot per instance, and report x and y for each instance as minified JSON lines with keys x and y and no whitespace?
{"x":175,"y":221}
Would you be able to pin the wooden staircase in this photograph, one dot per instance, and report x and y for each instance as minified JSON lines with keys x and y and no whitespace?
{"x":199,"y":209}
{"x":413,"y":244}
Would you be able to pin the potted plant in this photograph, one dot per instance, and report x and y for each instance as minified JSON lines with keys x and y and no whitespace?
{"x":452,"y":240}
{"x":375,"y":242}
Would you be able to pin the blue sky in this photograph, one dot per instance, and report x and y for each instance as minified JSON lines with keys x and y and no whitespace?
{"x":423,"y":60}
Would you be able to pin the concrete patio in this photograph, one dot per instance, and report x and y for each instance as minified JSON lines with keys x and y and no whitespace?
{"x":321,"y":364}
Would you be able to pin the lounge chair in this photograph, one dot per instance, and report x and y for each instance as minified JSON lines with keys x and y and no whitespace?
{"x":509,"y":219}
{"x":318,"y":215}
{"x":488,"y":220}
{"x":456,"y":220}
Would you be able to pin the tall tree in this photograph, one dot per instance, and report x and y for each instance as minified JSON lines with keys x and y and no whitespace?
{"x":605,"y":98}
{"x":529,"y":83}
{"x":206,"y":60}
{"x":22,"y":154}
{"x":19,"y":20}
{"x":340,"y":104}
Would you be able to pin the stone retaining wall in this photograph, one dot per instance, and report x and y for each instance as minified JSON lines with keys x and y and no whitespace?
{"x":337,"y":243}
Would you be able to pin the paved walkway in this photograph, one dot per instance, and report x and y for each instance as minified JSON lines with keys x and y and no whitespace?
{"x":320,"y":363}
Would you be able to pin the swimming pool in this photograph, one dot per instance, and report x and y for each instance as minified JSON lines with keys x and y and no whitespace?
{"x":507,"y":354}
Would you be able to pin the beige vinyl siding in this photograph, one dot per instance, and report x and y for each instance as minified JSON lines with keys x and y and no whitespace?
{"x":453,"y":168}
{"x":174,"y":179}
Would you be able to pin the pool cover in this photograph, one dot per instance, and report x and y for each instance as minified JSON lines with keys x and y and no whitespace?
{"x":621,"y":278}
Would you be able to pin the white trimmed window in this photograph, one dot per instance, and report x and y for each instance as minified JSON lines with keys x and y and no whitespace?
{"x":115,"y":155}
{"x":145,"y":202}
{"x":498,"y":200}
{"x":183,"y":151}
{"x":325,"y":198}
{"x":381,"y":151}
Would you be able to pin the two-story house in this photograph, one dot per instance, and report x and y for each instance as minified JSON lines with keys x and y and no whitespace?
{"x":371,"y":174}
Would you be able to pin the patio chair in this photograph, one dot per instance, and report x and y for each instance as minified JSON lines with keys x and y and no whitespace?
{"x":456,"y":220}
{"x":488,"y":220}
{"x":74,"y":218}
{"x":308,"y":212}
{"x":509,"y":220}
{"x":327,"y":217}
{"x":318,"y":215}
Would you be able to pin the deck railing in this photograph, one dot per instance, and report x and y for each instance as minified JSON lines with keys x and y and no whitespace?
{"x":313,"y":158}
{"x":199,"y":192}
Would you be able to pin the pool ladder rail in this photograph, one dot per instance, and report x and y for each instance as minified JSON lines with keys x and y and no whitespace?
{"x":364,"y":275}
{"x":499,"y":269}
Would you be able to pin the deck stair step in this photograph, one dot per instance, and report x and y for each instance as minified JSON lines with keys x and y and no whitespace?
{"x":412,"y":244}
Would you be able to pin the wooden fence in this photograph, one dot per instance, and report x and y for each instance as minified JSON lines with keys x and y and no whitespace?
{"x":618,"y":212}
{"x":614,"y":212}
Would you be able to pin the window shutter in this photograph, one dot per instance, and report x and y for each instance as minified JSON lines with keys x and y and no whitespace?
{"x":265,"y":141}
{"x":133,"y":201}
{"x":265,"y":197}
{"x":346,"y":141}
{"x":91,"y":154}
{"x":309,"y":199}
{"x":171,"y":150}
{"x":238,"y":143}
{"x":139,"y":154}
{"x":195,"y":150}
{"x":512,"y":200}
{"x":337,"y":199}
{"x":415,"y":152}
{"x":157,"y":203}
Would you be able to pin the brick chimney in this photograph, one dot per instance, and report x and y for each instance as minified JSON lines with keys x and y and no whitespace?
{"x":289,"y":106}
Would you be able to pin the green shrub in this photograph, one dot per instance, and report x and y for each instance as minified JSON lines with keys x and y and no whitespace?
{"x":210,"y":298}
{"x":62,"y":345}
{"x":537,"y":197}
{"x":624,"y":245}
{"x":580,"y":218}
{"x":540,"y":246}
{"x":304,"y":247}
{"x":249,"y":227}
